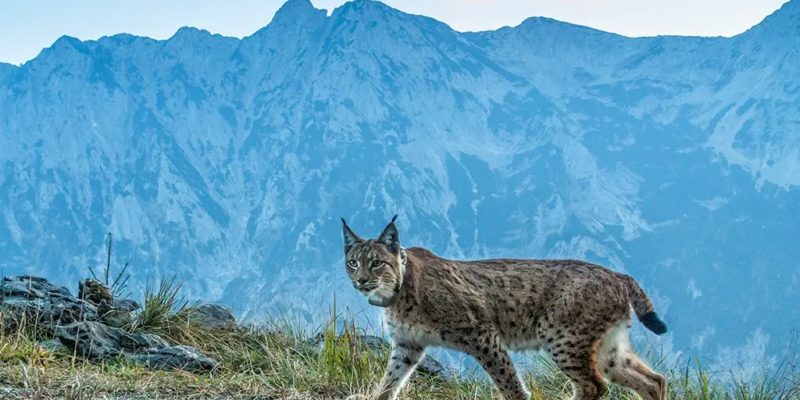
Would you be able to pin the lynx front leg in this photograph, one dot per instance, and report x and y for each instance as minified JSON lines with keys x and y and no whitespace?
{"x":404,"y":359}
{"x":495,"y":360}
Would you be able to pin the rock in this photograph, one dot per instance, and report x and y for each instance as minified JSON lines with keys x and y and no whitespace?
{"x":117,"y":313}
{"x":181,"y":357}
{"x":99,"y":342}
{"x":133,"y":342}
{"x":125,"y":305}
{"x":94,"y":292}
{"x":432,"y":367}
{"x":114,"y":318}
{"x":374,"y":343}
{"x":30,"y":287}
{"x":89,"y":326}
{"x":111,"y":310}
{"x":213,"y":316}
{"x":92,"y":340}
{"x":33,"y":300}
{"x":53,"y":346}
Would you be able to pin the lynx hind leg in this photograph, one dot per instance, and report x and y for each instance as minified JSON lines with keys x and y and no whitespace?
{"x":620,"y":364}
{"x":576,"y":357}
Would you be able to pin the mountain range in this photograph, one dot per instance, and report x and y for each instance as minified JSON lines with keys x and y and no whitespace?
{"x":227,"y":162}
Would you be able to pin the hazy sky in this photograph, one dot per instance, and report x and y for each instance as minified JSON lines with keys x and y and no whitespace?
{"x":27,"y":26}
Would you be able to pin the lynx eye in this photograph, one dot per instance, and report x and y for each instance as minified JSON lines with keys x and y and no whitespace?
{"x":375,"y":264}
{"x":352,"y":263}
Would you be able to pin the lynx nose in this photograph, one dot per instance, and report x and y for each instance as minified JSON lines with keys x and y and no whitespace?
{"x":361,"y":281}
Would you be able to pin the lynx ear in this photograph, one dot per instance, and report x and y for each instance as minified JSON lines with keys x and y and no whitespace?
{"x":390,"y":237}
{"x":350,"y":238}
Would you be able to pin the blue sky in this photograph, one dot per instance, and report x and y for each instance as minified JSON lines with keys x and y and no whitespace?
{"x":30,"y":25}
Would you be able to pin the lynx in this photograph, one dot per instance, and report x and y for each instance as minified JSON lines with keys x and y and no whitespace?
{"x":576,"y":311}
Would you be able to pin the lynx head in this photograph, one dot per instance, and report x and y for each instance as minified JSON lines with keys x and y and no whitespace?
{"x":375,"y":266}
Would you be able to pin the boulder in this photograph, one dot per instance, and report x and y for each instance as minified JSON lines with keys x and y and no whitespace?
{"x":180,"y":357}
{"x":35,"y":301}
{"x":213,"y":316}
{"x":99,"y":342}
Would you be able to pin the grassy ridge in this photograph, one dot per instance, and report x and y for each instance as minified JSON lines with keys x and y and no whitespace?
{"x":279,"y":362}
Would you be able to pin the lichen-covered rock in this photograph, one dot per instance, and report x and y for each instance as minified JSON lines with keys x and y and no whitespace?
{"x":213,"y":316}
{"x":34,"y":300}
{"x":181,"y":357}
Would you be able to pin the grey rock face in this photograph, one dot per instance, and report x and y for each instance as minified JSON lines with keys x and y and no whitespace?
{"x":213,"y":316}
{"x":34,"y":300}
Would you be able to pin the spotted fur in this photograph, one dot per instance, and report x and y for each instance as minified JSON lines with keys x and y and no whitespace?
{"x":576,"y":311}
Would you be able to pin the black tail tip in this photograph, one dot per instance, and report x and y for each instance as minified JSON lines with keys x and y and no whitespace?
{"x":654,"y":323}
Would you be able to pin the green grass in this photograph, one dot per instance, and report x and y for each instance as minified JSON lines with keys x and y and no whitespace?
{"x":278,"y":361}
{"x":165,"y":312}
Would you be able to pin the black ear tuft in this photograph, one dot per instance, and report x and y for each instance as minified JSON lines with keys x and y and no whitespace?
{"x":350,"y":238}
{"x":390,"y":237}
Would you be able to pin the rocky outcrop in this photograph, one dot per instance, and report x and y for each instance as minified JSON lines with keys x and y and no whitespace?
{"x":213,"y":316}
{"x":99,"y":342}
{"x":34,"y":301}
{"x":92,"y":324}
